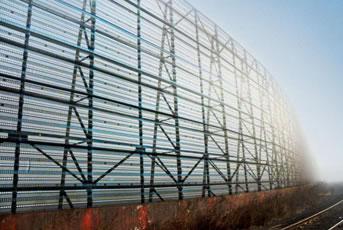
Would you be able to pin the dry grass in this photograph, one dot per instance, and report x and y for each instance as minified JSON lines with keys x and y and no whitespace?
{"x":240,"y":211}
{"x":226,"y":212}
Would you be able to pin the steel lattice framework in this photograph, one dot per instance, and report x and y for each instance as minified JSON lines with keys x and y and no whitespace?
{"x":121,"y":101}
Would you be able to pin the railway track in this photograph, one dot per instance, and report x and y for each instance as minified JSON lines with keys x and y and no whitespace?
{"x":314,"y":221}
{"x":337,"y":225}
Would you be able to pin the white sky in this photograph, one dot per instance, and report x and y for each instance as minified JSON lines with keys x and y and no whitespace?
{"x":301,"y":44}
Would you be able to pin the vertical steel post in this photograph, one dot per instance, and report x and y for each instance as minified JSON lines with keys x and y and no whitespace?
{"x":20,"y":108}
{"x":176,"y":107}
{"x":245,"y":170}
{"x":239,"y":144}
{"x":140,"y":115}
{"x":222,"y":102}
{"x":90,"y":107}
{"x":287,"y":146}
{"x":275,"y":159}
{"x":240,"y":139}
{"x":71,"y":101}
{"x":206,"y":178}
{"x":263,"y":95}
{"x":258,"y":163}
{"x":157,"y":108}
{"x":279,"y":137}
{"x":292,"y":156}
{"x":283,"y":142}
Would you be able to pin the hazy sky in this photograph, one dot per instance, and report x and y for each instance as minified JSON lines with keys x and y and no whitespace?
{"x":301,"y":43}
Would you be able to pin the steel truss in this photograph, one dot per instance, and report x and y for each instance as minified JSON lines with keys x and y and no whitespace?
{"x":123,"y":101}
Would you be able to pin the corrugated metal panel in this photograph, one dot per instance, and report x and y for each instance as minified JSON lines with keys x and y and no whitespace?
{"x":79,"y":77}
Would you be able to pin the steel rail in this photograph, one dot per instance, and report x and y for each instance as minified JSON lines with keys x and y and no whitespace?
{"x":312,"y":216}
{"x":336,"y":225}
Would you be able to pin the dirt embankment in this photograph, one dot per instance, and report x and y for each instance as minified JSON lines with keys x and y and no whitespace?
{"x":223,"y":212}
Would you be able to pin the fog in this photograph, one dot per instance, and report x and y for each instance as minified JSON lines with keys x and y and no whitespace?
{"x":300,"y":42}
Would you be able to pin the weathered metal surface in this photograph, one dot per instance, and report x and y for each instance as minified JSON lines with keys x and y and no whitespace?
{"x":225,"y":212}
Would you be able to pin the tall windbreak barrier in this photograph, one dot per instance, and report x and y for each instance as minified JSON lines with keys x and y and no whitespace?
{"x":133,"y":101}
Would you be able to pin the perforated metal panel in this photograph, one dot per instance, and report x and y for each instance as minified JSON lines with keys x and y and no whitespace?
{"x":119,"y":101}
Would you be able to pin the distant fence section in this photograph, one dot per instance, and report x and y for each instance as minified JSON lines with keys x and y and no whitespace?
{"x":123,"y":101}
